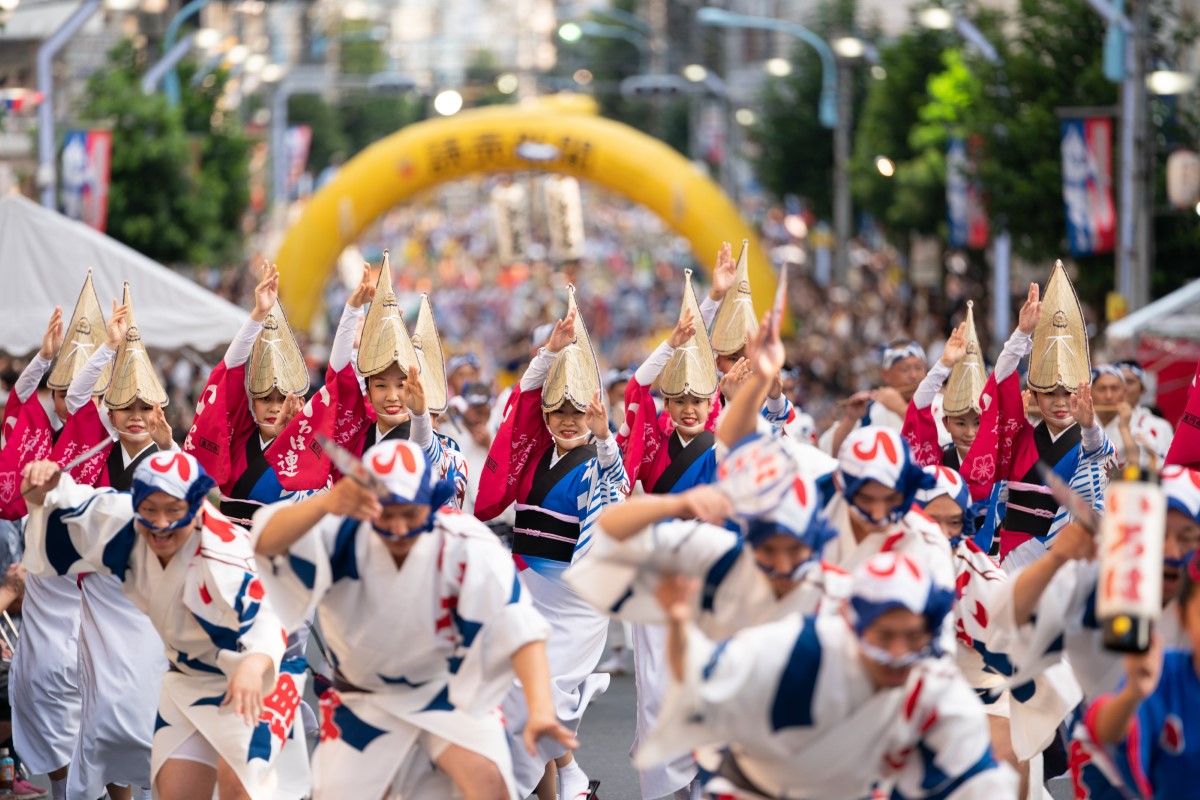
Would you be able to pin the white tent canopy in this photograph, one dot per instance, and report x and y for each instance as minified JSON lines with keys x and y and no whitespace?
{"x":44,"y":258}
{"x":1176,"y":315}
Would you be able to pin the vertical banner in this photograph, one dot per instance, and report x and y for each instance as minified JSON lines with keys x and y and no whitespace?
{"x":1087,"y":185}
{"x":86,"y":166}
{"x":966,"y":210}
{"x":299,"y":138}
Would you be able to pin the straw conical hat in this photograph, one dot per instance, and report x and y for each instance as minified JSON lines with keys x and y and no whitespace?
{"x":133,"y":375}
{"x":1060,"y":345}
{"x":967,"y":379}
{"x":82,"y":336}
{"x":385,"y":339}
{"x":276,"y":361}
{"x":430,"y":359}
{"x":575,"y":376}
{"x":691,"y":368}
{"x":734,"y":323}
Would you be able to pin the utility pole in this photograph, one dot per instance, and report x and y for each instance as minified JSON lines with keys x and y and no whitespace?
{"x":841,"y":173}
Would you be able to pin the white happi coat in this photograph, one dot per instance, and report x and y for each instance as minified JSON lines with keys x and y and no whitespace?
{"x":43,"y":680}
{"x":620,"y":578}
{"x":1065,"y":624}
{"x":121,"y":666}
{"x":986,"y":628}
{"x":208,"y":606}
{"x":915,"y":535}
{"x":792,"y":709}
{"x":427,"y":648}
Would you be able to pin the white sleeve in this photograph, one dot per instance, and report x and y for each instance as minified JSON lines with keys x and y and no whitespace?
{"x":954,"y":759}
{"x":653,"y":365}
{"x":1093,"y":438}
{"x":421,"y":431}
{"x":930,"y":385}
{"x":79,"y":393}
{"x":495,"y":617}
{"x":1017,"y":347}
{"x":343,"y":340}
{"x":297,"y":580}
{"x":619,"y":576}
{"x":607,"y":451}
{"x":539,"y":368}
{"x":726,"y":691}
{"x":31,"y":376}
{"x":777,"y":406}
{"x":242,"y":344}
{"x":70,"y":532}
{"x":708,"y":310}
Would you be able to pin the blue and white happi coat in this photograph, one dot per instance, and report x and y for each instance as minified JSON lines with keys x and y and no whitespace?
{"x":208,"y":605}
{"x":786,"y":710}
{"x":422,"y":652}
{"x":621,"y":577}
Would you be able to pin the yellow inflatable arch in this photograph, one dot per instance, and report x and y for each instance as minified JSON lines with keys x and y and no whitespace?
{"x":483,"y":140}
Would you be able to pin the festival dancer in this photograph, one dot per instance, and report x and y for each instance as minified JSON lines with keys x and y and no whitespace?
{"x":833,"y":705}
{"x":670,"y":457}
{"x":44,"y":674}
{"x":964,"y":374}
{"x":1151,"y":726}
{"x":769,"y":569}
{"x":251,"y":395}
{"x":989,"y":609}
{"x":423,"y":688}
{"x":555,"y":458}
{"x":389,"y":401}
{"x":1004,"y":457}
{"x":191,"y":571}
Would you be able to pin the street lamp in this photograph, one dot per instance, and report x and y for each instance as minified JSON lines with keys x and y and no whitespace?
{"x":448,"y":103}
{"x":935,"y":18}
{"x":507,"y":83}
{"x":849,"y":47}
{"x":1168,"y":82}
{"x":886,"y":167}
{"x":778,"y":67}
{"x":696,"y":73}
{"x":570,"y":32}
{"x":827,"y":109}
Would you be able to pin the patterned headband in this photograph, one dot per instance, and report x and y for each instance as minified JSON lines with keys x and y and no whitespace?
{"x":898,"y":350}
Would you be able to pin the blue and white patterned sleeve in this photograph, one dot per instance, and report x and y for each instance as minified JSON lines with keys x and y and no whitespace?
{"x":777,"y":411}
{"x":607,"y":484}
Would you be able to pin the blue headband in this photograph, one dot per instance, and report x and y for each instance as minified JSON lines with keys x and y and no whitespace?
{"x":1137,"y":369}
{"x":893,"y":354}
{"x":146,"y":483}
{"x":1107,"y":369}
{"x":937,"y":605}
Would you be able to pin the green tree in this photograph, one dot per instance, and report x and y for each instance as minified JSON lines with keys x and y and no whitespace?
{"x":328,"y":137}
{"x":913,"y":199}
{"x":175,"y":195}
{"x":795,"y":150}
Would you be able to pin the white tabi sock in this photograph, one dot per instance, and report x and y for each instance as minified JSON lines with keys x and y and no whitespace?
{"x":58,"y":789}
{"x":147,"y":794}
{"x":572,"y":782}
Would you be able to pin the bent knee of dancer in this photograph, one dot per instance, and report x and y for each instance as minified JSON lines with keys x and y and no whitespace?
{"x":477,"y":777}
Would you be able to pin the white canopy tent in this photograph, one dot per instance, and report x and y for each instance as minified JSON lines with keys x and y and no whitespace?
{"x":1176,"y":315}
{"x":44,"y":258}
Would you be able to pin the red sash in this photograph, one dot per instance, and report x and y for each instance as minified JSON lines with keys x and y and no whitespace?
{"x":1004,"y":446}
{"x":222,"y":426}
{"x":921,"y":433}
